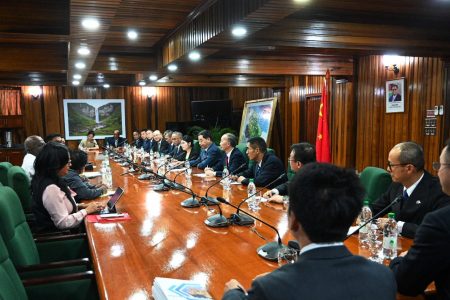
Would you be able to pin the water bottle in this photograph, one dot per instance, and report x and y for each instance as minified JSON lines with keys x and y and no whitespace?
{"x":151,"y":155}
{"x":251,"y":190}
{"x":390,"y":234}
{"x":225,"y":179}
{"x":366,"y":215}
{"x":188,"y":171}
{"x":108,"y":177}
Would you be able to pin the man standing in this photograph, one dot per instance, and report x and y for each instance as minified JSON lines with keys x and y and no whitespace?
{"x":116,"y":141}
{"x":210,"y":155}
{"x":233,"y":159}
{"x":301,"y":154}
{"x":428,"y":259}
{"x":419,"y":192}
{"x":267,"y":167}
{"x":324,"y":202}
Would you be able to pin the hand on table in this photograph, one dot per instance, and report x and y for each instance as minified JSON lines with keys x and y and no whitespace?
{"x":209,"y":172}
{"x":92,"y":207}
{"x":233,"y":284}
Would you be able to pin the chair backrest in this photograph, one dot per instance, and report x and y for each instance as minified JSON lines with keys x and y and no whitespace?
{"x":196,"y":146}
{"x":243,"y":148}
{"x":289,"y":172}
{"x":11,"y":286}
{"x":15,"y":231}
{"x":19,"y":181}
{"x":4,"y":167}
{"x":375,"y":181}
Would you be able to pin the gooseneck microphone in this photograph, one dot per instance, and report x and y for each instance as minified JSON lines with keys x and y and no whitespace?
{"x":206,"y":198}
{"x":243,"y":219}
{"x":191,"y":202}
{"x":268,"y":251}
{"x":381,"y":212}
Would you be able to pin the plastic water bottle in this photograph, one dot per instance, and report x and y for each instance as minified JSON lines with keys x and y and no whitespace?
{"x":366,"y":215}
{"x":251,"y":190}
{"x":151,"y":155}
{"x":108,"y":177}
{"x":225,"y":179}
{"x":188,"y":171}
{"x":390,"y":235}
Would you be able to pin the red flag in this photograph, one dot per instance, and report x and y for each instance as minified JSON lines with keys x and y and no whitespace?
{"x":323,"y":153}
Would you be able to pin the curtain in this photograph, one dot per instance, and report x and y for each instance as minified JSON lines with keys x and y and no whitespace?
{"x":10,"y":102}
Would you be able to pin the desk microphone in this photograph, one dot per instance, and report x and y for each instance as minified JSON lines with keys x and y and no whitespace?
{"x":206,"y":198}
{"x":398,"y":198}
{"x":190,"y":202}
{"x":244,"y":220}
{"x":171,"y":183}
{"x":268,"y":251}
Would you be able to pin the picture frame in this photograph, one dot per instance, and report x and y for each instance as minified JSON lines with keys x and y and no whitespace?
{"x":103,"y":116}
{"x":257,"y":119}
{"x":395,"y":95}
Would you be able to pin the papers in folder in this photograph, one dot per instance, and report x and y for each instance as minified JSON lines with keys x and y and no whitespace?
{"x":177,"y":289}
{"x":92,"y":174}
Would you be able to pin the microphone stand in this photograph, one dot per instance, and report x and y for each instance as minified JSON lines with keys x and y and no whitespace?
{"x":398,"y":198}
{"x":218,"y":181}
{"x":191,"y":202}
{"x":268,"y":251}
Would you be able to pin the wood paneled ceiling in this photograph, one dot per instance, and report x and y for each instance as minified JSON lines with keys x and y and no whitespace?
{"x":39,"y":39}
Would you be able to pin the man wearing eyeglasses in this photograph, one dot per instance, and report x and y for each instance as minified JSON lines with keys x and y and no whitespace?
{"x":428,"y":259}
{"x":395,"y":95}
{"x":420,"y":192}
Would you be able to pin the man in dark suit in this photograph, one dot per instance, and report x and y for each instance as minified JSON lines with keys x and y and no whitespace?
{"x":159,"y":144}
{"x":233,"y":159}
{"x":116,"y":140}
{"x":428,"y":259}
{"x":395,"y":95}
{"x":301,"y":154}
{"x":176,"y":149}
{"x":324,"y":202}
{"x":210,"y":155}
{"x":137,"y":141}
{"x":267,"y":167}
{"x":421,"y":191}
{"x":148,"y":142}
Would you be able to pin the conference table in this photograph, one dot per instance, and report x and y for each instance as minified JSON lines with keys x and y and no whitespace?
{"x":164,"y":239}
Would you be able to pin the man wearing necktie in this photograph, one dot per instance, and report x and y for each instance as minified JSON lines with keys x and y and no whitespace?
{"x":176,"y":141}
{"x":233,"y":157}
{"x":160,"y":145}
{"x":420,"y":190}
{"x":116,"y":140}
{"x":210,"y":155}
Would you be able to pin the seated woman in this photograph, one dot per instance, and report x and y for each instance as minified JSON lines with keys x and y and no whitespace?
{"x":52,"y":204}
{"x":188,"y":153}
{"x":83,"y":189}
{"x":89,"y":143}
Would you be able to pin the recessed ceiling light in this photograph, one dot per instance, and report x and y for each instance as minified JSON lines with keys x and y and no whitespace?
{"x":106,"y":85}
{"x":241,"y":78}
{"x":301,"y":1}
{"x":75,"y":82}
{"x":90,"y":23}
{"x":239,"y":31}
{"x":83,"y":50}
{"x":153,"y":77}
{"x":172,"y":67}
{"x":142,"y":83}
{"x":132,"y":34}
{"x":80,"y":65}
{"x":77,"y":76}
{"x":194,"y":55}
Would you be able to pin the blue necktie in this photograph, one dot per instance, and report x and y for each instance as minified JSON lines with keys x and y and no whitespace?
{"x":258,"y":168}
{"x":404,"y":198}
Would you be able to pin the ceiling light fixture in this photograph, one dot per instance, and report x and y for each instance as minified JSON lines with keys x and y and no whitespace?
{"x":391,"y":63}
{"x":132,"y":34}
{"x":106,"y":86}
{"x":83,"y":50}
{"x":241,"y":78}
{"x":35,"y":91}
{"x":80,"y":65}
{"x":172,"y":67}
{"x":77,"y":76}
{"x":239,"y":31}
{"x":153,"y":77}
{"x":142,"y":83}
{"x":194,"y":56}
{"x":90,"y":23}
{"x":75,"y":82}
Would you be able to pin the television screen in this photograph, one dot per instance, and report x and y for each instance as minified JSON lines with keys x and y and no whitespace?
{"x":213,"y":112}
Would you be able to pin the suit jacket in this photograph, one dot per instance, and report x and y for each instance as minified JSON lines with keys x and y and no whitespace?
{"x":283,"y":188}
{"x":236,"y":160}
{"x":112,"y":141}
{"x":162,"y":146}
{"x":192,"y":156}
{"x":211,"y":157}
{"x":398,"y":98}
{"x":175,"y":151}
{"x":323,"y":273}
{"x":83,"y":189}
{"x":138,"y":143}
{"x":428,"y":259}
{"x":271,"y":168}
{"x":426,"y":197}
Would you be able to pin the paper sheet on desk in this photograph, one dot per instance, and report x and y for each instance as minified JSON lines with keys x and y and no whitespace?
{"x":99,"y":219}
{"x":178,"y":170}
{"x":352,"y":230}
{"x":202,"y":175}
{"x":91,"y":174}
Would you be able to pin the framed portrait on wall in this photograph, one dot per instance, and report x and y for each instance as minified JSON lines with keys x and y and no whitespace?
{"x":103,"y":116}
{"x":257,"y":119}
{"x":395,"y":95}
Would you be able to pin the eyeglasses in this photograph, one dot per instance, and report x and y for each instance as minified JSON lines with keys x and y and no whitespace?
{"x":291,"y":160}
{"x":437,"y":165}
{"x":390,"y":165}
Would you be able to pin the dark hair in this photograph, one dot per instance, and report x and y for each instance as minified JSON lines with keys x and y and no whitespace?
{"x":231,"y":139}
{"x":78,"y":158}
{"x":411,"y":153}
{"x":34,"y":144}
{"x":90,"y":132}
{"x":258,"y":142}
{"x":188,"y":139}
{"x":53,"y":157}
{"x":167,"y":132}
{"x":145,"y":129}
{"x":304,"y":152}
{"x":326,"y":200}
{"x":51,"y":136}
{"x":206,"y":134}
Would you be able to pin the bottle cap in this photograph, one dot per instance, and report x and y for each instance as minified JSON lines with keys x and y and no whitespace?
{"x":251,"y":179}
{"x":391,"y":215}
{"x":366,"y":202}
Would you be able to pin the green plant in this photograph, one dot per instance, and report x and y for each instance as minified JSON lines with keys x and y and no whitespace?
{"x":216,"y":132}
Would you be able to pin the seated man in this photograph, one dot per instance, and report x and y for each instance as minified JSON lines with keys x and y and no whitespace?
{"x":159,"y":144}
{"x":428,"y":259}
{"x":116,"y":141}
{"x":210,"y":155}
{"x":138,"y":142}
{"x":301,"y":154}
{"x":54,"y":137}
{"x":84,"y":190}
{"x":33,"y":145}
{"x":176,"y":149}
{"x":324,"y":202}
{"x":148,"y":142}
{"x":267,"y":167}
{"x":421,"y":192}
{"x":233,"y":160}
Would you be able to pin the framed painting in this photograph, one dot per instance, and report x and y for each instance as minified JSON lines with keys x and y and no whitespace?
{"x":257,"y":119}
{"x":103,"y":116}
{"x":395,"y":95}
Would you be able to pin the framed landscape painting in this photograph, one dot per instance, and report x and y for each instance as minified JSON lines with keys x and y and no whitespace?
{"x":103,"y":116}
{"x":257,"y":119}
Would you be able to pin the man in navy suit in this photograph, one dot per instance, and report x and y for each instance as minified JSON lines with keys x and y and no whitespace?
{"x":148,"y":142}
{"x":395,"y":95}
{"x":116,"y":140}
{"x":176,"y":144}
{"x":267,"y":167}
{"x":428,"y":259}
{"x":159,"y":144}
{"x":233,"y":159}
{"x":324,"y":202}
{"x":210,"y":155}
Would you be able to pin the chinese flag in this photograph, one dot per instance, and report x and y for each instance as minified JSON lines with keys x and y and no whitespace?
{"x":323,"y":137}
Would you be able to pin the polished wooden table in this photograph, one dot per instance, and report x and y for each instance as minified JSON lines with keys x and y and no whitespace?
{"x":164,"y":239}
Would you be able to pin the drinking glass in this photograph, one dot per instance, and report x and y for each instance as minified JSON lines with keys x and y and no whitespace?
{"x":375,"y":241}
{"x":287,"y":255}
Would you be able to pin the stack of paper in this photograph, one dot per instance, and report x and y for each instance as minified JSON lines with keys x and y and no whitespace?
{"x":177,"y":289}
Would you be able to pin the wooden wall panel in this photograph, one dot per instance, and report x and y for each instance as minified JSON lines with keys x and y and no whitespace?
{"x":33,"y":113}
{"x":377,"y":131}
